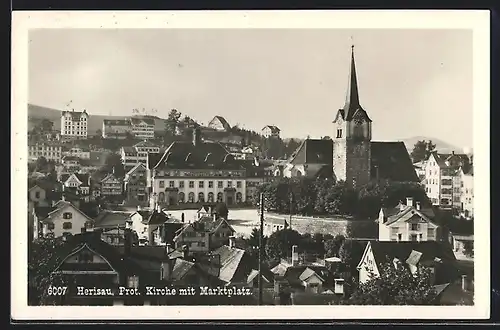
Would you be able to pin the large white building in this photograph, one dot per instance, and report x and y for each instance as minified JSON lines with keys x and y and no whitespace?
{"x":137,"y":154}
{"x":49,"y":151}
{"x":74,"y":124}
{"x":463,"y":197}
{"x":440,"y":170}
{"x":197,"y":172}
{"x":143,"y":128}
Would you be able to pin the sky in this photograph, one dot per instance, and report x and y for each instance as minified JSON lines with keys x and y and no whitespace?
{"x":411,"y":82}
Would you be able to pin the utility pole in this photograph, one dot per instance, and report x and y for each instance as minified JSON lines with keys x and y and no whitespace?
{"x":291,"y":209}
{"x":261,"y":245}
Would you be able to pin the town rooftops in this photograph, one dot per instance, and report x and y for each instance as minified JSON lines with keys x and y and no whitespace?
{"x":391,"y":161}
{"x":273,"y":129}
{"x":394,"y":214}
{"x":83,"y":178}
{"x":313,"y":151}
{"x":107,"y":219}
{"x":451,"y":160}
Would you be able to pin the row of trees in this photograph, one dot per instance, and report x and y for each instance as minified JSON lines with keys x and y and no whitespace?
{"x":306,"y":196}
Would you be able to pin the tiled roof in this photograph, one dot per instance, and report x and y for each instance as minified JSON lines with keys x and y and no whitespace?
{"x":133,"y":169}
{"x":157,"y":218}
{"x":43,"y":211}
{"x":59,"y":207}
{"x":293,"y":274}
{"x":111,"y":219}
{"x":138,"y":121}
{"x":181,"y":268}
{"x":391,"y":161}
{"x":153,"y":159}
{"x":396,"y":213}
{"x":223,"y":121}
{"x":313,"y":152}
{"x":75,"y":115}
{"x":230,"y":260}
{"x":145,"y":144}
{"x":182,"y":155}
{"x":116,"y":122}
{"x":451,"y":160}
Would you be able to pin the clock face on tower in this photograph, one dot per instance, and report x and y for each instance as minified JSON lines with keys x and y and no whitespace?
{"x":358,"y":119}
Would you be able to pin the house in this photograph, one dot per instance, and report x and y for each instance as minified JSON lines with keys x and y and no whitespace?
{"x":466,"y":192}
{"x":111,"y":187}
{"x":78,"y":152}
{"x":408,"y":222}
{"x":76,"y":183}
{"x":196,"y":172}
{"x":420,"y":170}
{"x":439,"y":179}
{"x":62,"y":219}
{"x":143,"y":128}
{"x":43,"y":193}
{"x":271,"y":131}
{"x":207,"y":210}
{"x":219,"y":123}
{"x":116,"y":129}
{"x":135,"y":185}
{"x":74,"y":124}
{"x":204,"y":235}
{"x":138,"y":153}
{"x":438,"y":256}
{"x":460,"y":292}
{"x":112,"y":219}
{"x":137,"y":222}
{"x":50,"y":151}
{"x":272,"y":225}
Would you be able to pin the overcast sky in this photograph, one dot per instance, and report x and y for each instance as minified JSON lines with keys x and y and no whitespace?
{"x":411,"y":82}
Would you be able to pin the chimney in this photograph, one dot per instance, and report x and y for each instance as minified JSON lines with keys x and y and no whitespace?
{"x":295,"y":256}
{"x":128,"y":242}
{"x":409,"y":201}
{"x":182,"y":217}
{"x":464,"y":282}
{"x":185,"y":250}
{"x":196,"y":137}
{"x":231,"y":242}
{"x":138,"y":207}
{"x":417,"y":204}
{"x":453,"y":152}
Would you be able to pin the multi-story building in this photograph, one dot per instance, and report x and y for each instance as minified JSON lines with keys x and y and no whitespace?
{"x":271,"y":131}
{"x":137,"y":154}
{"x":116,"y":128}
{"x":197,"y":172}
{"x":49,"y":151}
{"x":143,"y":128}
{"x":74,"y":124}
{"x":408,"y":222}
{"x":440,"y":171}
{"x":135,"y":185}
{"x":80,"y":152}
{"x":466,"y":191}
{"x":111,"y":186}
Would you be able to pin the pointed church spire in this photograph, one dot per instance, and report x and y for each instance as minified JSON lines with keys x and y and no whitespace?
{"x":352,"y":96}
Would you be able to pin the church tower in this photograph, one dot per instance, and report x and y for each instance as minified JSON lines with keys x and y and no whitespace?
{"x":352,"y":136}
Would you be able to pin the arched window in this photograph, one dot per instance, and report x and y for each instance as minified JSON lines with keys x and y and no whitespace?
{"x":191,"y":197}
{"x":219,"y":197}
{"x":201,"y":197}
{"x":181,"y":197}
{"x":210,"y":197}
{"x":161,"y":197}
{"x":239,"y":197}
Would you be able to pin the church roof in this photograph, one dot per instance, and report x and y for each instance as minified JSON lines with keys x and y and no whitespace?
{"x":313,"y":151}
{"x":352,"y":104}
{"x":391,"y":161}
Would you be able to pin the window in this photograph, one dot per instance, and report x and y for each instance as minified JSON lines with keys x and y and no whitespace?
{"x":201,"y":184}
{"x":415,"y":226}
{"x":181,"y":197}
{"x":229,"y":184}
{"x":413,"y":238}
{"x":191,"y":197}
{"x":162,"y":184}
{"x":201,"y":197}
{"x":238,"y":184}
{"x":67,"y":225}
{"x":219,"y":197}
{"x":219,"y":184}
{"x":191,"y":184}
{"x":430,"y":232}
{"x":171,"y":184}
{"x":210,"y":197}
{"x":181,"y":184}
{"x":239,"y":197}
{"x":210,"y":184}
{"x":339,"y":133}
{"x":50,"y":226}
{"x":67,"y":215}
{"x":133,"y":281}
{"x":37,"y":195}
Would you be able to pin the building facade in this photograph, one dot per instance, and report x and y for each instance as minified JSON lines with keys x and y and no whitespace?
{"x":137,"y":154}
{"x":135,"y":185}
{"x":74,"y":124}
{"x":111,"y":186}
{"x":143,"y":128}
{"x":271,"y":131}
{"x":466,"y":192}
{"x":197,"y":172}
{"x":49,"y":151}
{"x":79,"y":152}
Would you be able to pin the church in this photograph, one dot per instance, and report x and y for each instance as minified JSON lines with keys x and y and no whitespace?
{"x":351,"y":155}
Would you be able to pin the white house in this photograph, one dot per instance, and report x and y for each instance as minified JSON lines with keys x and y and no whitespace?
{"x":270,"y":131}
{"x":143,"y":128}
{"x":62,"y":219}
{"x":407,"y":223}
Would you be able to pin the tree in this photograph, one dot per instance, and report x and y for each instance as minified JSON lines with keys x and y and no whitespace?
{"x":113,"y":163}
{"x":396,"y":285}
{"x":172,"y":122}
{"x":333,"y":245}
{"x":42,"y":259}
{"x":41,"y":164}
{"x":350,"y":253}
{"x":98,"y":133}
{"x":422,"y":150}
{"x":279,"y":244}
{"x":221,"y":210}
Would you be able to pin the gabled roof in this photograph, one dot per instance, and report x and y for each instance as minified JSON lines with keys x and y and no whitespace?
{"x":181,"y":268}
{"x":75,"y":115}
{"x":61,"y":205}
{"x":313,"y":151}
{"x":273,"y":129}
{"x":391,"y":161}
{"x":223,"y":121}
{"x":184,"y":155}
{"x":83,"y":178}
{"x":145,"y":144}
{"x":110,"y":176}
{"x":408,"y":211}
{"x":453,"y":160}
{"x":230,"y":261}
{"x":308,"y":273}
{"x":135,"y":168}
{"x":156,"y":218}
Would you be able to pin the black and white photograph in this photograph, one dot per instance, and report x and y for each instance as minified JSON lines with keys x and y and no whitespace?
{"x":230,"y":161}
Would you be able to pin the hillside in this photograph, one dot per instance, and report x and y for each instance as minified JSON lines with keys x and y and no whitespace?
{"x":95,"y":121}
{"x":441,"y":145}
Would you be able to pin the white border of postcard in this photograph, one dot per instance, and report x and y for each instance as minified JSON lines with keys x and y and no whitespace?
{"x":478,"y":21}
